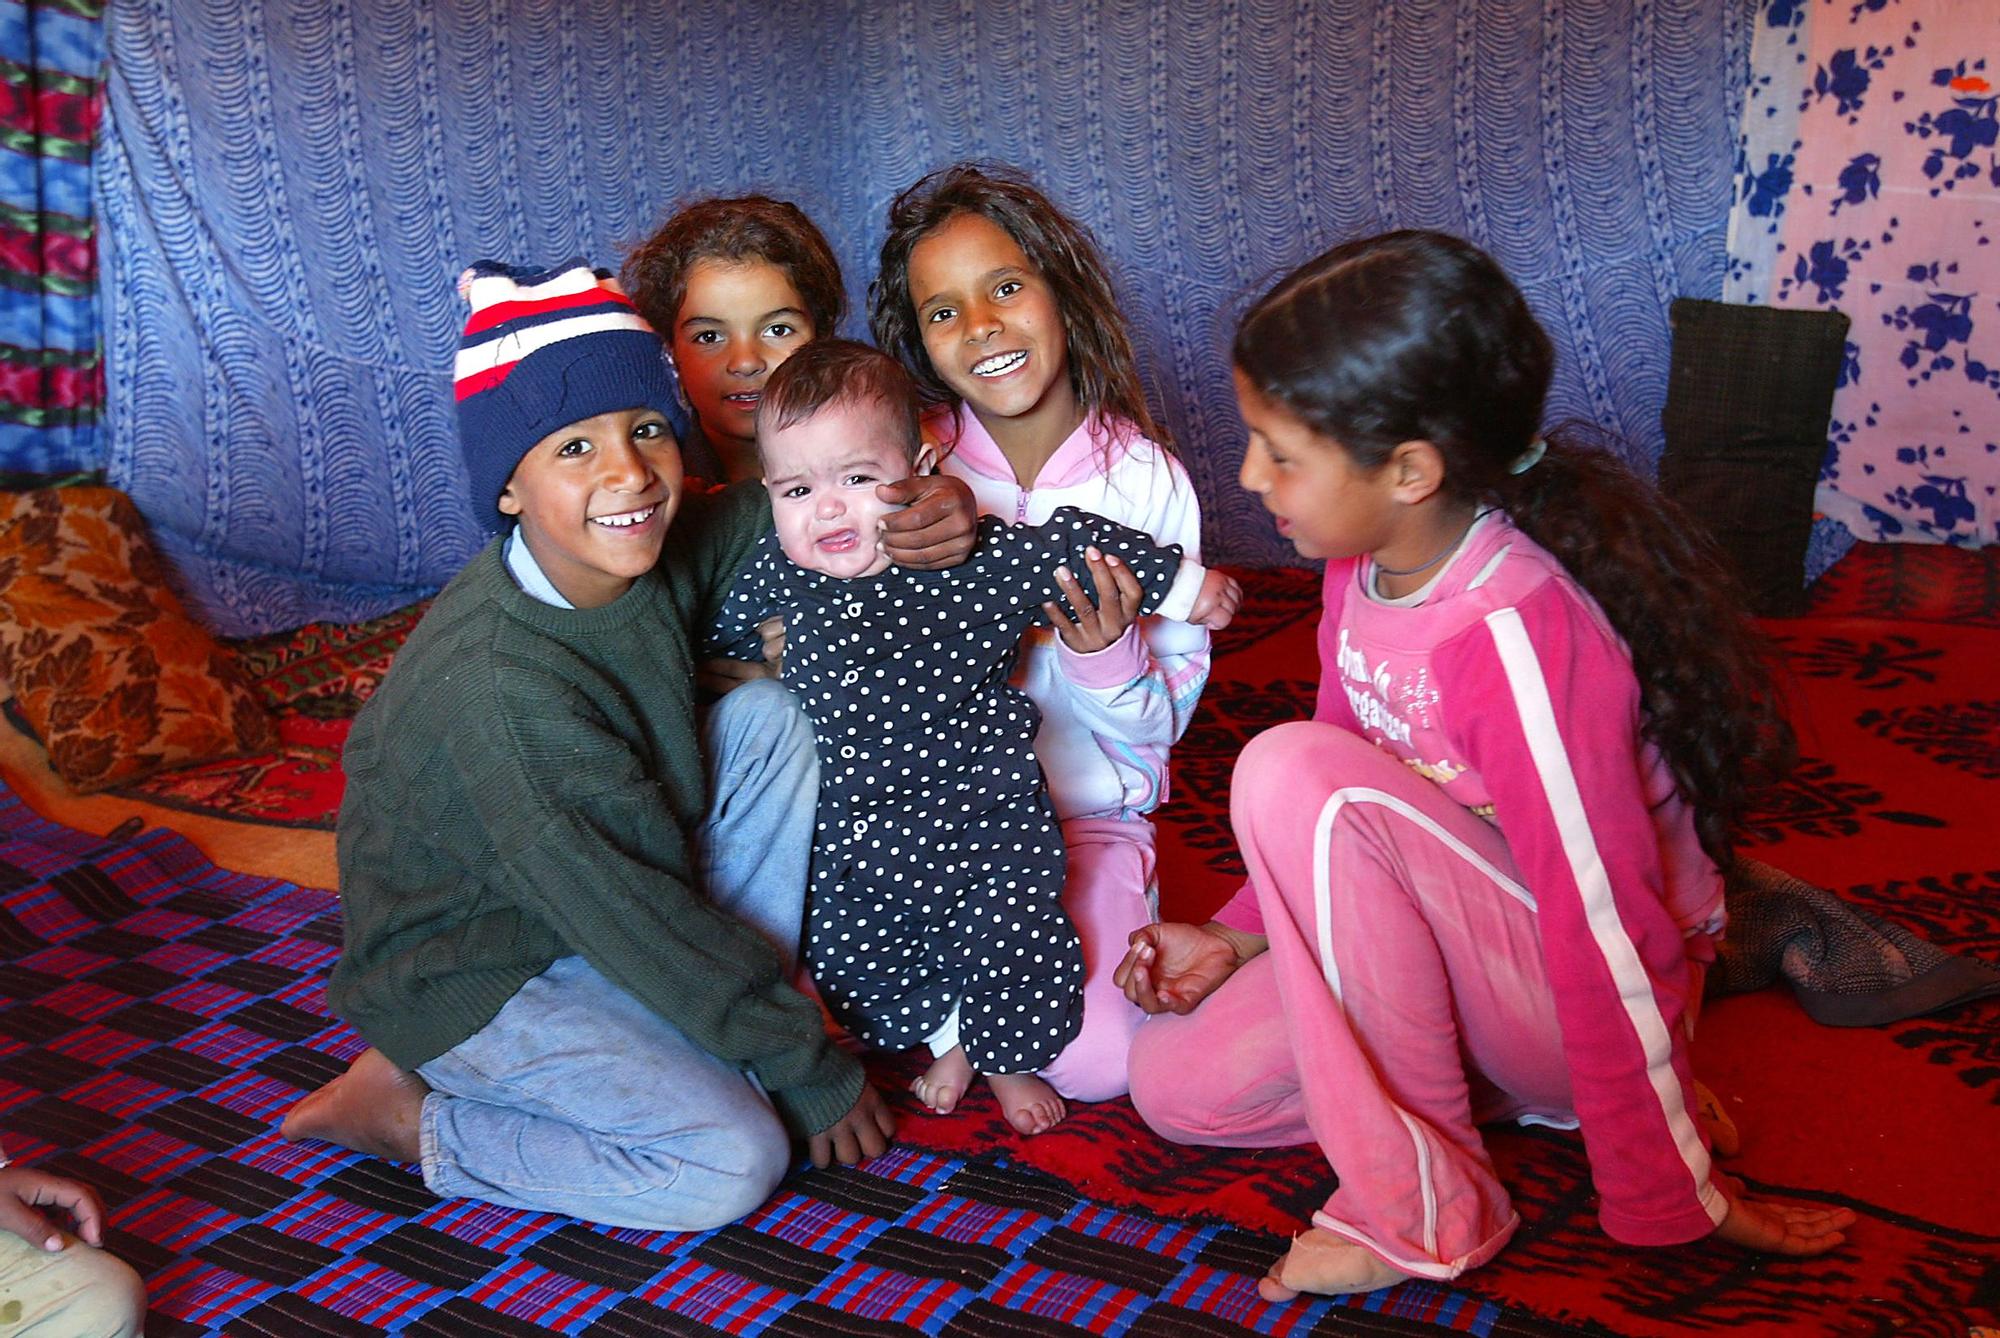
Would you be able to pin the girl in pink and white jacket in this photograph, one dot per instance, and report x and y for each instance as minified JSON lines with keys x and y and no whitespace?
{"x":1483,"y":878}
{"x":1002,"y":308}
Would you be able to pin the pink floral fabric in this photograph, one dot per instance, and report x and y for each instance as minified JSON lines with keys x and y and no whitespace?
{"x":1869,"y":181}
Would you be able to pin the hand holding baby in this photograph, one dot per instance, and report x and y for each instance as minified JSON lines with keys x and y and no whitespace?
{"x":1102,"y":622}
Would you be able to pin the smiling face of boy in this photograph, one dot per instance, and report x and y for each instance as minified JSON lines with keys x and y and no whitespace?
{"x":594,"y":500}
{"x":822,"y":472}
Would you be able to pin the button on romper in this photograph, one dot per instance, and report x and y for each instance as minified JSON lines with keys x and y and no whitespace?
{"x":938,"y":864}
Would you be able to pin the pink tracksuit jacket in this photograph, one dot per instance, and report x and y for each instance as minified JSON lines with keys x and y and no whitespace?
{"x":1503,"y":685}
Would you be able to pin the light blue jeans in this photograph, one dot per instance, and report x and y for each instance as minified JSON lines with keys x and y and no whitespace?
{"x":578,"y":1099}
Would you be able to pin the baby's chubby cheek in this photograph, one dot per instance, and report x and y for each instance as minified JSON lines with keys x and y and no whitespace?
{"x":797,"y":545}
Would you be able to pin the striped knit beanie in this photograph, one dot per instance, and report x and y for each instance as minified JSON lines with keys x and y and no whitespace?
{"x":543,"y":349}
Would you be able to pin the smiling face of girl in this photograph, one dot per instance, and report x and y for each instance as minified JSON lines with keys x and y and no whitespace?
{"x":737,"y":322}
{"x":993,"y":332}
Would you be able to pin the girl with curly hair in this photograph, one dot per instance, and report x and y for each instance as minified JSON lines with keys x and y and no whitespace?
{"x":1004,"y":312}
{"x":1484,"y":877}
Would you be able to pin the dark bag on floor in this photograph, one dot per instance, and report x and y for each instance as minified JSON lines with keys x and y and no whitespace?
{"x":1748,"y":395}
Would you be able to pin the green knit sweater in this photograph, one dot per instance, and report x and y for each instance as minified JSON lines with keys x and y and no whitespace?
{"x":523,"y":787}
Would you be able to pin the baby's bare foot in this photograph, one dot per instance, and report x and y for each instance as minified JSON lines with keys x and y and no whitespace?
{"x":374,"y":1107}
{"x":1326,"y":1265}
{"x":945,"y":1081}
{"x":1029,"y":1104}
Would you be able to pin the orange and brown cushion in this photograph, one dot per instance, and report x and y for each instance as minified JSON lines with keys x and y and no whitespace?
{"x":107,"y":670}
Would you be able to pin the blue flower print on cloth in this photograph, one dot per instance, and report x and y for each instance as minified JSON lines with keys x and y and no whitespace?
{"x":1868,"y":179}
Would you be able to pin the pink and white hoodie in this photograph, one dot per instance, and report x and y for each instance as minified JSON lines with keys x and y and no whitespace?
{"x":1108,"y":717}
{"x":1503,"y":682}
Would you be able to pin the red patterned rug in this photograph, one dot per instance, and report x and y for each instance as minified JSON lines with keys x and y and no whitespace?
{"x":1893,"y":805}
{"x":1920,"y":582}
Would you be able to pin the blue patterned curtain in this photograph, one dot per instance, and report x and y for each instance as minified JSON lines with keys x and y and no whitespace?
{"x":288,"y":188}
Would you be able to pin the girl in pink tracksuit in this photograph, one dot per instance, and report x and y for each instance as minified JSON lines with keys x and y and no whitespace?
{"x":1483,"y":878}
{"x":1003,"y":310}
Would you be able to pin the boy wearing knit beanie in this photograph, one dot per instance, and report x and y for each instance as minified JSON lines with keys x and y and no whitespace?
{"x":571,"y":958}
{"x":570,"y":421}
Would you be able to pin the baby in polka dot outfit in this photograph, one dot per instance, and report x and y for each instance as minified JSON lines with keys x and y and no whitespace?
{"x":935,"y":913}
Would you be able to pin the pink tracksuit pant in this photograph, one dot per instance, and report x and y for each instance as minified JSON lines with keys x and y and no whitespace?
{"x":1403,"y":1001}
{"x":1110,"y":864}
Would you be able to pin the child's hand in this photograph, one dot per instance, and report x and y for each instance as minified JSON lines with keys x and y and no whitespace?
{"x":937,"y":525}
{"x":1097,"y":625}
{"x":863,"y":1132}
{"x":1783,"y":1228}
{"x":1217,"y":602}
{"x":1169,"y":967}
{"x":24,"y":1190}
{"x":772,"y":633}
{"x":723,"y":675}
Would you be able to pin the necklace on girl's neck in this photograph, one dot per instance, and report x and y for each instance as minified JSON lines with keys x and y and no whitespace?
{"x":1428,"y":563}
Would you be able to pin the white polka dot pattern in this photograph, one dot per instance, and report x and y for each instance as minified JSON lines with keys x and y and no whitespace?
{"x":938,"y":865}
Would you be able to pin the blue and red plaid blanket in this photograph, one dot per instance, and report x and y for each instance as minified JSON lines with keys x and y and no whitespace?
{"x":158,"y":1015}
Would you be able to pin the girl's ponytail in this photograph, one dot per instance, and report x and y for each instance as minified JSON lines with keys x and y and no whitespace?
{"x":1704,"y":676}
{"x":1418,"y":336}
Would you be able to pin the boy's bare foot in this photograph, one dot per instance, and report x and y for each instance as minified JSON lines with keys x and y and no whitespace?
{"x":945,"y":1081}
{"x":374,"y":1107}
{"x":1029,"y":1104}
{"x":1326,"y":1265}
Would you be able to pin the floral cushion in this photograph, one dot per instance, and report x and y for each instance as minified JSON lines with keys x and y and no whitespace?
{"x":111,"y":675}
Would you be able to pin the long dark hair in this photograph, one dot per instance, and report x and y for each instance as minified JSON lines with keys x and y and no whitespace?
{"x":1103,"y":370}
{"x":739,"y":229}
{"x":1418,"y":336}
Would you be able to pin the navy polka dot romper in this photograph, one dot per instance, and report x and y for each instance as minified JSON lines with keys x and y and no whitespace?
{"x":938,"y":865}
